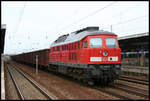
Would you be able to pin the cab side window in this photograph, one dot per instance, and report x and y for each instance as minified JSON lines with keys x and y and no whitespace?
{"x":84,"y":44}
{"x":78,"y":45}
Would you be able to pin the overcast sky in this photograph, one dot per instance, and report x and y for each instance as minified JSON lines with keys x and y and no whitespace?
{"x":35,"y":25}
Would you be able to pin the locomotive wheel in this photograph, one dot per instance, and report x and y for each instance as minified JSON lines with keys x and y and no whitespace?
{"x":78,"y":78}
{"x":84,"y":81}
{"x":75,"y":78}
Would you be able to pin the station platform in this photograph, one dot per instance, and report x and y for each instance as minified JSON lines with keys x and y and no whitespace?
{"x":136,"y":69}
{"x":2,"y":79}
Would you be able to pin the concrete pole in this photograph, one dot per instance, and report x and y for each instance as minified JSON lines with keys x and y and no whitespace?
{"x":36,"y":64}
{"x":111,"y":28}
{"x":143,"y":58}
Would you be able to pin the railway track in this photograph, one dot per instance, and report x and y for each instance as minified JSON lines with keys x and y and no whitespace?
{"x":135,"y":80}
{"x":113,"y":93}
{"x":132,"y":90}
{"x":123,"y":90}
{"x":131,"y":85}
{"x":26,"y":88}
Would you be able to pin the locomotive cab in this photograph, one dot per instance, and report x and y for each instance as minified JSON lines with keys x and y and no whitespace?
{"x":103,"y":50}
{"x":103,"y":54}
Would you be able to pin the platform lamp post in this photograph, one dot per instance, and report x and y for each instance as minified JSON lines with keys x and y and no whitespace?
{"x":111,"y":28}
{"x":36,"y":64}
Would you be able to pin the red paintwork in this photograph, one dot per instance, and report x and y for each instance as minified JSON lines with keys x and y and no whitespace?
{"x":83,"y":54}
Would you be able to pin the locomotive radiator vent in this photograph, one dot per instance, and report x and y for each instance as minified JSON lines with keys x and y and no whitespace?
{"x":88,"y":29}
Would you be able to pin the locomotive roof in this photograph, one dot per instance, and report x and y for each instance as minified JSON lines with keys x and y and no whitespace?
{"x":78,"y":35}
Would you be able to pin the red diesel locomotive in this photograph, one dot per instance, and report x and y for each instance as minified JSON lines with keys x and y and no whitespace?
{"x":89,"y":54}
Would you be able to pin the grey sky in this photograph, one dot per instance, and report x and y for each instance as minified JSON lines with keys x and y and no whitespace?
{"x":35,"y":25}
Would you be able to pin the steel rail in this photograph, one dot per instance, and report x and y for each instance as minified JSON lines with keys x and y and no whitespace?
{"x":131,"y":87}
{"x":15,"y":83}
{"x":122,"y":97}
{"x":36,"y":85}
{"x":134,"y":78}
{"x":134,"y":81}
{"x":130,"y":90}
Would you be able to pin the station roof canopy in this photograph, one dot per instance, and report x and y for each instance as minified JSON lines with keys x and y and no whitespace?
{"x":3,"y":30}
{"x":134,"y":36}
{"x":135,"y":42}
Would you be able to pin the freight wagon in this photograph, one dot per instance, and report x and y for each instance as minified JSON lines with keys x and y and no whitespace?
{"x":30,"y":57}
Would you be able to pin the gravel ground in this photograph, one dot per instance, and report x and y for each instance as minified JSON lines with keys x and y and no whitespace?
{"x":64,"y":89}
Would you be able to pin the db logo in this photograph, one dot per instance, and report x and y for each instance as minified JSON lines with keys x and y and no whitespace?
{"x":105,"y":53}
{"x":104,"y":59}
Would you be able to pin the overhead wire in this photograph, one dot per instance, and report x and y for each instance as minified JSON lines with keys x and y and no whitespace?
{"x":91,"y":14}
{"x":85,"y":17}
{"x":100,"y":10}
{"x":67,"y":19}
{"x":130,"y":29}
{"x":125,"y":11}
{"x":105,"y":7}
{"x":129,"y":20}
{"x":20,"y":18}
{"x":122,"y":12}
{"x":97,"y":12}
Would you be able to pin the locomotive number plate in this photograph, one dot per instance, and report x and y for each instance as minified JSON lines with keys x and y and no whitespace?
{"x":95,"y":58}
{"x":104,"y":59}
